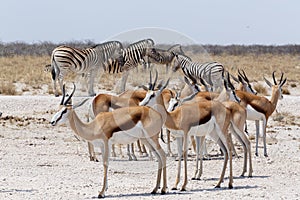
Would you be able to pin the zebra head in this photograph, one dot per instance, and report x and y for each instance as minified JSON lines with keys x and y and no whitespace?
{"x":152,"y":53}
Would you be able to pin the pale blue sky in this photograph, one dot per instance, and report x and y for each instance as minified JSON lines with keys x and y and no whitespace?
{"x":206,"y":22}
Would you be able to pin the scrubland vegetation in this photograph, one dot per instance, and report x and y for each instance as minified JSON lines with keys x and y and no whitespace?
{"x":24,"y":63}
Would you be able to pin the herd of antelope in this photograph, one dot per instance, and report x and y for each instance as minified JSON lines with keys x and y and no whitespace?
{"x":143,"y":115}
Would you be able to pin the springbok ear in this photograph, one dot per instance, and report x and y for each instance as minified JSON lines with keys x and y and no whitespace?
{"x":234,"y":78}
{"x":188,"y":98}
{"x":80,"y":103}
{"x":144,"y":87}
{"x":283,"y":82}
{"x":268,"y":82}
{"x":160,"y":84}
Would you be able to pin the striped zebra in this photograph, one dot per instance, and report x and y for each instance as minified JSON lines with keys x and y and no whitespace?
{"x":136,"y":53}
{"x":87,"y":62}
{"x":131,"y":57}
{"x":167,"y":56}
{"x":209,"y":71}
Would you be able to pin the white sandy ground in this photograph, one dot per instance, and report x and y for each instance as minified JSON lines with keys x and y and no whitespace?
{"x":38,"y":161}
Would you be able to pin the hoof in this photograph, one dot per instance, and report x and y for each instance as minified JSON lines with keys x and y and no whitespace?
{"x":242,"y":175}
{"x":183,"y":189}
{"x":153,"y":192}
{"x":101,"y":196}
{"x":174,"y":188}
{"x":217,"y":186}
{"x":266,"y":155}
{"x":256,"y":154}
{"x":196,"y":179}
{"x":163,"y":192}
{"x":56,"y":95}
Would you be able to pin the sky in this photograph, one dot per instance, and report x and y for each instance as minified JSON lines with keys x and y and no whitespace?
{"x":223,"y":22}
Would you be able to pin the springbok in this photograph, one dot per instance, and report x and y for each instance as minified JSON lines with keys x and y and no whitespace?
{"x":260,"y":108}
{"x":124,"y":125}
{"x":204,"y":118}
{"x":238,"y":114}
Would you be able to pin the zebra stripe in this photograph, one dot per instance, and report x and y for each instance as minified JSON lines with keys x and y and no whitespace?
{"x":209,"y":71}
{"x":66,"y":59}
{"x":136,"y":52}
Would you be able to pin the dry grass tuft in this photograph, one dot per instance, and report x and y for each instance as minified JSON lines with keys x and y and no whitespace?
{"x":285,"y":91}
{"x":261,"y":89}
{"x":7,"y":88}
{"x":293,"y":85}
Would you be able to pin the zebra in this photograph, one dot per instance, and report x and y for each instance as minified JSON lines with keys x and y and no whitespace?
{"x":135,"y":54}
{"x":167,"y":56}
{"x":209,"y":71}
{"x":87,"y":62}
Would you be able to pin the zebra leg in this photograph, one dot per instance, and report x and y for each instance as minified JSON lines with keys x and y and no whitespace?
{"x":91,"y":83}
{"x":123,"y":82}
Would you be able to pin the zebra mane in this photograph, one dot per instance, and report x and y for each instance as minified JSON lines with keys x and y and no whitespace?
{"x":108,"y":43}
{"x":145,"y":41}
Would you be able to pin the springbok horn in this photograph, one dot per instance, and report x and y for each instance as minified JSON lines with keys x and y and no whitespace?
{"x":281,"y":78}
{"x":71,"y":94}
{"x":63,"y":95}
{"x":273,"y":74}
{"x":229,"y":83}
{"x":245,"y":77}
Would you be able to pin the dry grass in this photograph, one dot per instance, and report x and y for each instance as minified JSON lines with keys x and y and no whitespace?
{"x":260,"y":89}
{"x":30,"y":70}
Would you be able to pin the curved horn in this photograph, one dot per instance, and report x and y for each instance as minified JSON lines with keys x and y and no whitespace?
{"x":239,"y":73}
{"x":63,"y":95}
{"x":245,"y":77}
{"x":229,"y":81}
{"x":281,"y":78}
{"x":69,"y":98}
{"x":273,"y":74}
